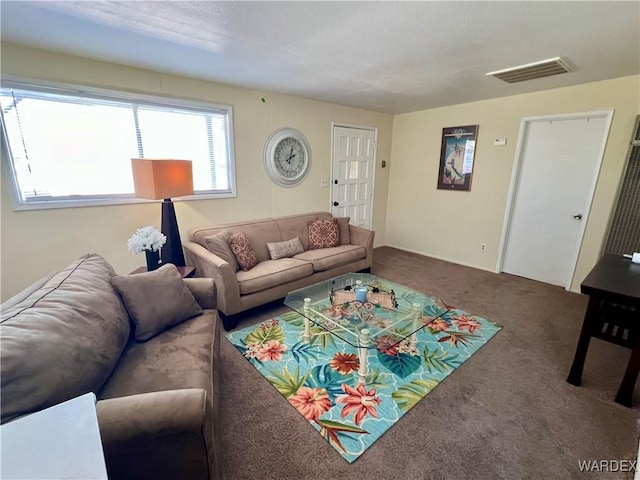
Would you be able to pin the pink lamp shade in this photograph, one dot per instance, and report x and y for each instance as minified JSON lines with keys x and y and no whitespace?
{"x":162,"y":178}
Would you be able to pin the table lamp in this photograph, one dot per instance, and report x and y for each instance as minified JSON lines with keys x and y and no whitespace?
{"x":162,"y":179}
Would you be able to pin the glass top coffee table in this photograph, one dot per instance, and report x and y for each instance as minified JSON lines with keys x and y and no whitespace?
{"x":366,"y":312}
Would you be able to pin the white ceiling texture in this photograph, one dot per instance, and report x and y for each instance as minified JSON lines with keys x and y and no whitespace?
{"x":384,"y":56}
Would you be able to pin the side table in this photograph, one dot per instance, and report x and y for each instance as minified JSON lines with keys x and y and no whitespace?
{"x":613,"y":315}
{"x":186,"y":272}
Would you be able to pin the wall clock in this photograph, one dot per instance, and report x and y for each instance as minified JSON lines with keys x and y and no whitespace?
{"x":287,"y":157}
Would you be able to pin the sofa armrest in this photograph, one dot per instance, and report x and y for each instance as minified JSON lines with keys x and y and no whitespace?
{"x":210,"y":265}
{"x":166,"y":434}
{"x":203,"y":290}
{"x":364,"y":237}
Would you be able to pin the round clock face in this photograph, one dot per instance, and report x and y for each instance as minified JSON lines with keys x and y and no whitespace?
{"x":287,"y":157}
{"x":290,"y":157}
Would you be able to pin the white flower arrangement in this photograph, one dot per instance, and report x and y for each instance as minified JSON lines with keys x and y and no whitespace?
{"x":146,"y":238}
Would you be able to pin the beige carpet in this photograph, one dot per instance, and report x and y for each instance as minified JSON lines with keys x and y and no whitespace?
{"x":507,"y":413}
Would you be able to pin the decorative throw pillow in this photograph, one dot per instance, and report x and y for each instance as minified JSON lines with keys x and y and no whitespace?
{"x":156,"y":300}
{"x":245,"y":254}
{"x":218,"y":244}
{"x":343,"y":230}
{"x":285,"y":249}
{"x":323,"y":233}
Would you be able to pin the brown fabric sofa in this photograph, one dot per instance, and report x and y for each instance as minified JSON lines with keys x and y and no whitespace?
{"x":270,"y":280}
{"x":70,"y":333}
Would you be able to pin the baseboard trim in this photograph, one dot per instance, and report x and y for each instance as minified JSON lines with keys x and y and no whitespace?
{"x":438,"y":257}
{"x":464,"y":264}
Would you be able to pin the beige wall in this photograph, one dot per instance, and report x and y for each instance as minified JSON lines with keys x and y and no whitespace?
{"x":36,"y":242}
{"x":409,"y":212}
{"x":451,"y":225}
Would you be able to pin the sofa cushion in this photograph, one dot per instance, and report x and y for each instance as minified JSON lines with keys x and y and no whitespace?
{"x":296,"y":226}
{"x":62,"y":339}
{"x":326,"y":258}
{"x":245,"y":254}
{"x":323,"y":234}
{"x":180,"y":357}
{"x":258,"y":234}
{"x":156,"y":300}
{"x":271,"y":273}
{"x":344,"y":233}
{"x":218,"y":244}
{"x":285,"y":249}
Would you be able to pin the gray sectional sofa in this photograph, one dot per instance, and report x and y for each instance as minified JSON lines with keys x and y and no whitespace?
{"x":238,"y":290}
{"x":71,"y":333}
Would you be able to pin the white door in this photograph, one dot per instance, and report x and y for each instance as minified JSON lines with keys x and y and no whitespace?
{"x":555,"y":178}
{"x":354,"y":160}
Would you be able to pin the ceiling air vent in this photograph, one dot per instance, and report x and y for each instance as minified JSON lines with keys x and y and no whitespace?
{"x":544,"y":68}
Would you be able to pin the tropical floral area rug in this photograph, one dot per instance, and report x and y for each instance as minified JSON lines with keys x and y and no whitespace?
{"x":320,"y":378}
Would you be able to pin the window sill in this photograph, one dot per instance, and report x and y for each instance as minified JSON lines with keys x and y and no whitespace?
{"x":48,"y":205}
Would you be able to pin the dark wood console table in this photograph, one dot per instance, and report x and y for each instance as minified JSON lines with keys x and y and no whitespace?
{"x":186,"y":272}
{"x":613,"y":314}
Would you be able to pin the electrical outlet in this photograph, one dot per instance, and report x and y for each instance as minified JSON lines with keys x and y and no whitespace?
{"x":483,"y":247}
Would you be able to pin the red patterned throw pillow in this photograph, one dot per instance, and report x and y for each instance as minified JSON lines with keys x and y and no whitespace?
{"x":323,"y":234}
{"x":243,"y":251}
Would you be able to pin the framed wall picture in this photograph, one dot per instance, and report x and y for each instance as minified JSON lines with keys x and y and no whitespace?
{"x":456,"y":157}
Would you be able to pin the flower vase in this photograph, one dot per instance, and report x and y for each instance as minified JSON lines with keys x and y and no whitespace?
{"x":153,"y":259}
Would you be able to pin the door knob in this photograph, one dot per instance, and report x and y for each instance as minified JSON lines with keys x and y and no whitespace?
{"x":335,"y":204}
{"x":577,"y":216}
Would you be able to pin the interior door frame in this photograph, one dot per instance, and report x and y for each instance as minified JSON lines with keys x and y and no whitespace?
{"x":517,"y":170}
{"x":375,"y":161}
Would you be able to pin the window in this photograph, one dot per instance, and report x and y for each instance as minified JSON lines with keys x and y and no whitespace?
{"x":69,"y":147}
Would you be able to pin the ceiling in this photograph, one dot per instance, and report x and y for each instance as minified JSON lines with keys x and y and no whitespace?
{"x":385,"y":56}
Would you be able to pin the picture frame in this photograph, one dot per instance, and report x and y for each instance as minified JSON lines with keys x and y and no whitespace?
{"x":457,"y":154}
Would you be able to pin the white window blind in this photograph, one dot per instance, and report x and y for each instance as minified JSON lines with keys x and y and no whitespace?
{"x":70,"y":146}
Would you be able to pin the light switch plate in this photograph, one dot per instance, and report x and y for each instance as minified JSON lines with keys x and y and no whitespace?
{"x":500,"y":142}
{"x":324,"y":182}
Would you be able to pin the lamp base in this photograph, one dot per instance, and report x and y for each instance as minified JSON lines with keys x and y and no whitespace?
{"x":172,"y":250}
